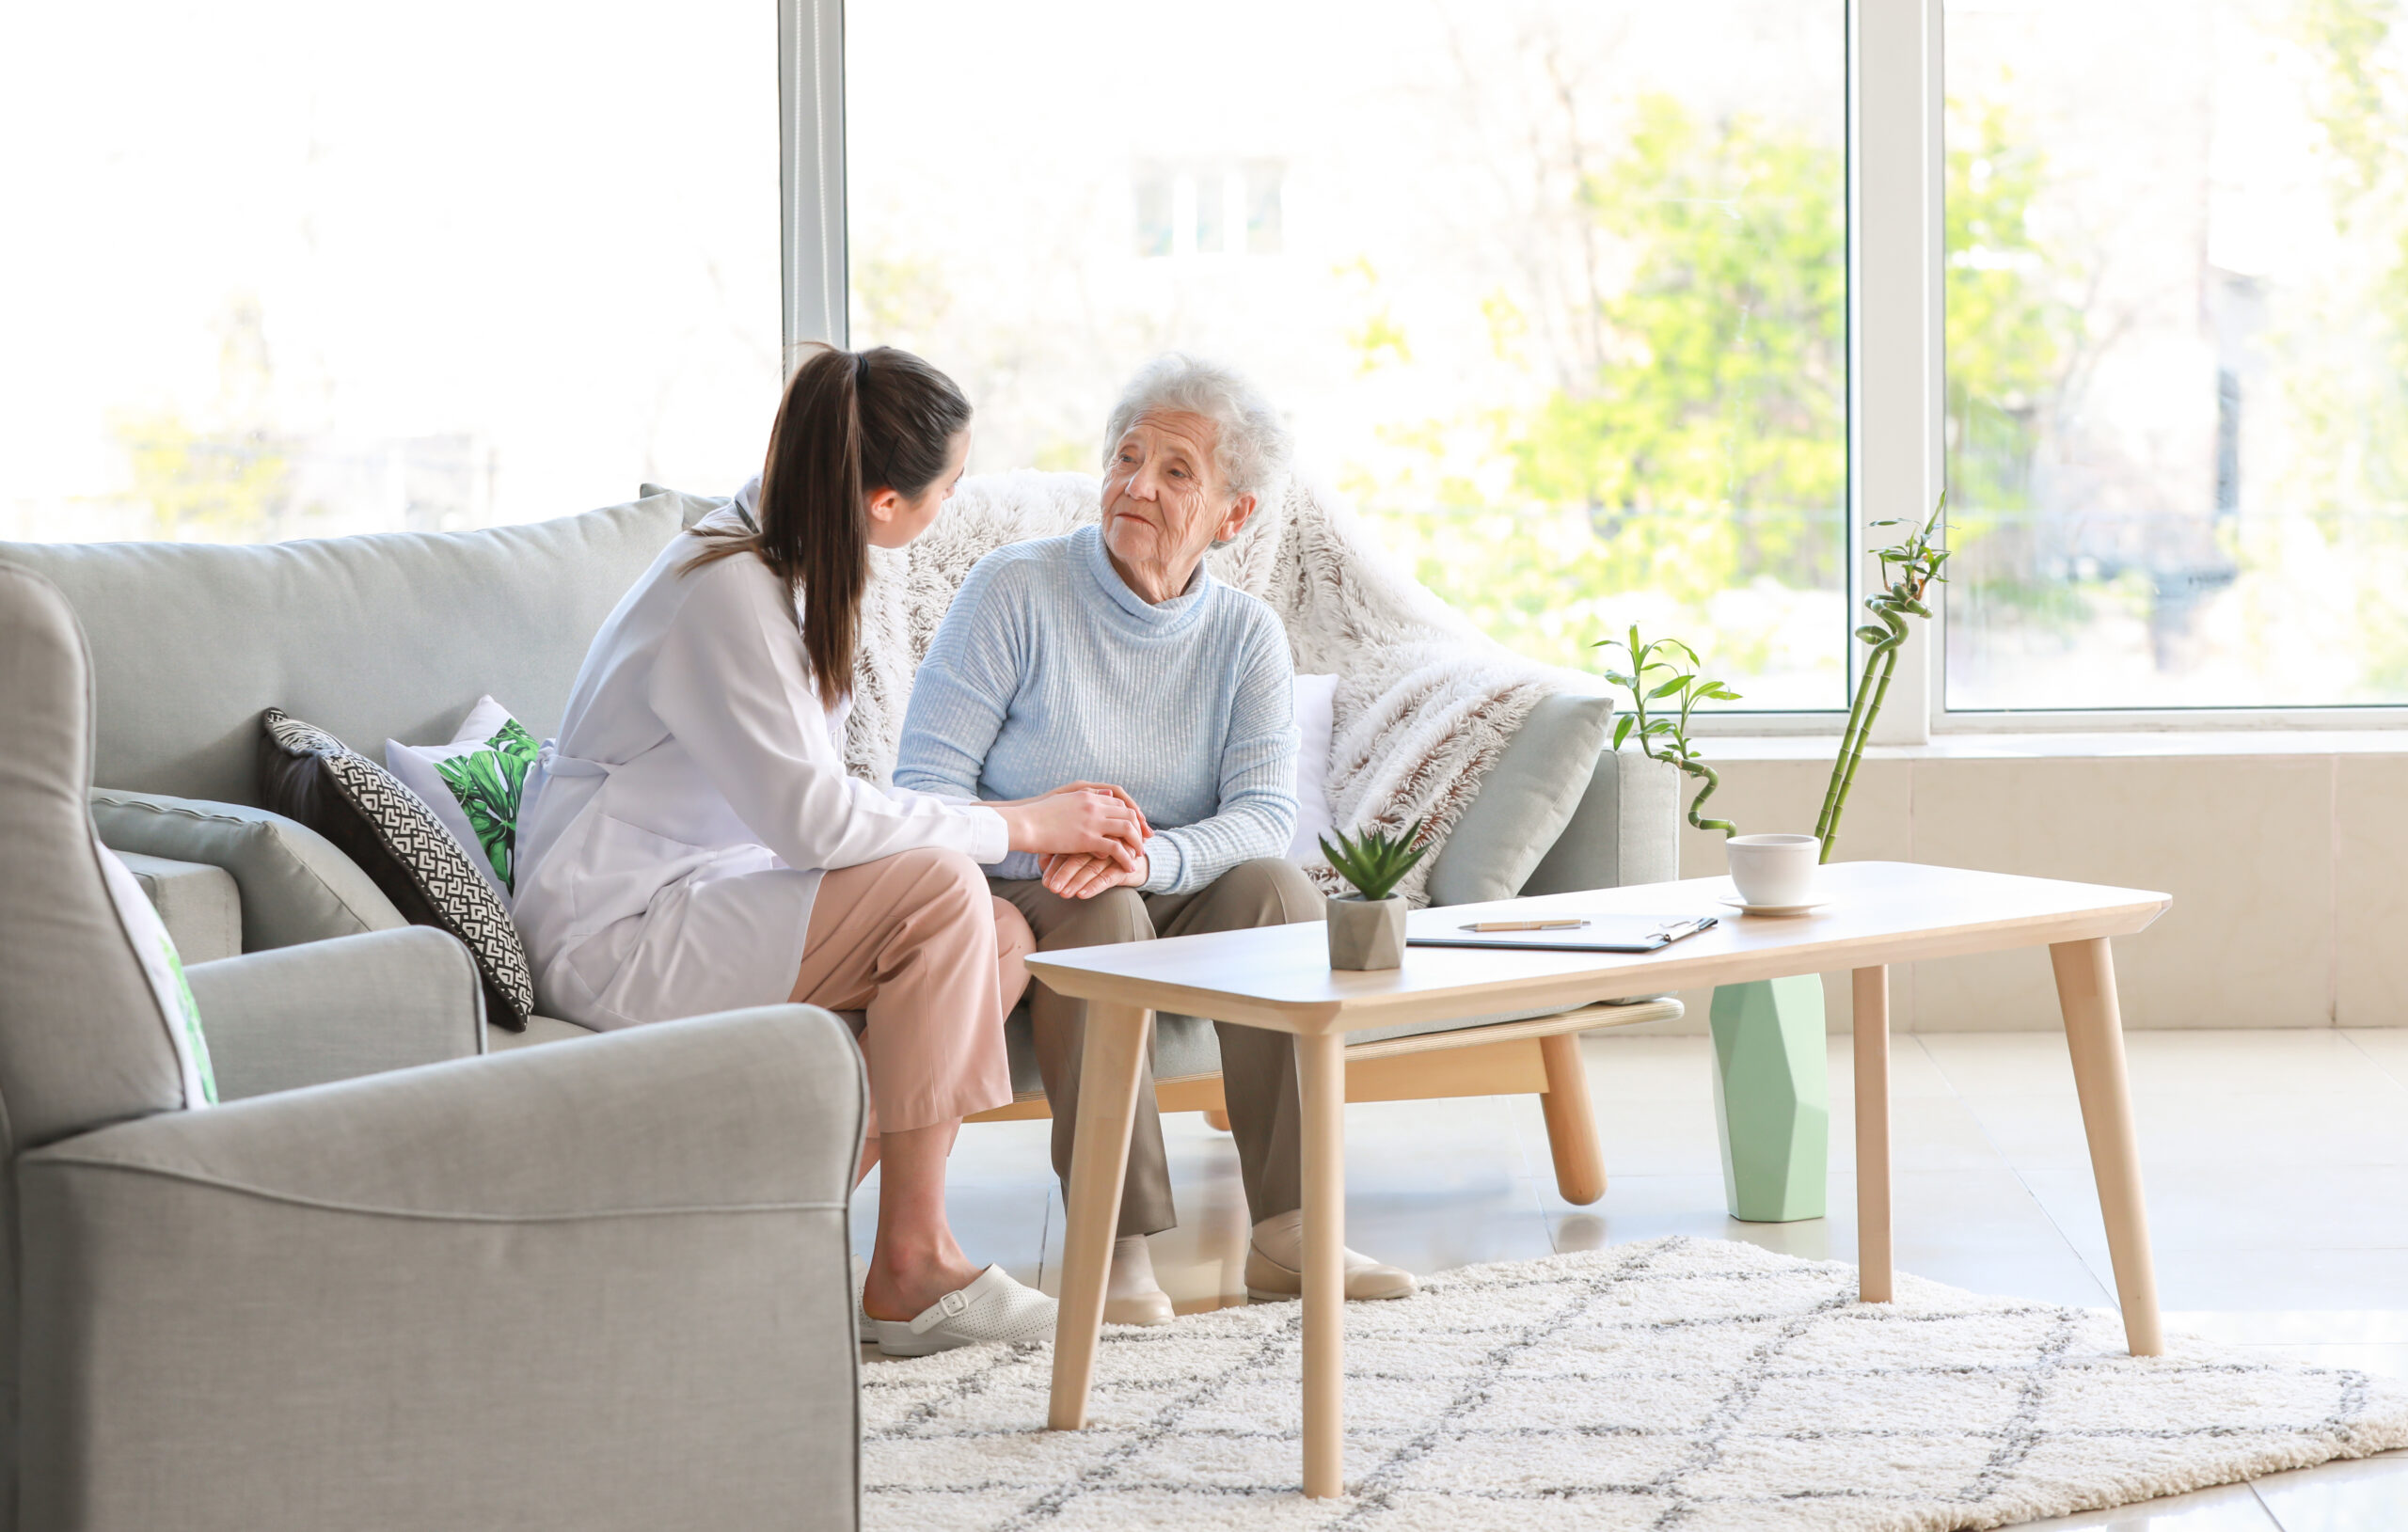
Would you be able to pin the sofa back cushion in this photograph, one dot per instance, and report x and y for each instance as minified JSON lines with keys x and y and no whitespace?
{"x":393,"y":636}
{"x":1527,"y":799}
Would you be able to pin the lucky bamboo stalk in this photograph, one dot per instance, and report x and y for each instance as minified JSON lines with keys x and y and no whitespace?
{"x":1917,"y":560}
{"x":1691,"y":687}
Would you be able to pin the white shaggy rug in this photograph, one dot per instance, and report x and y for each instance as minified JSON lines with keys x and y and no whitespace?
{"x":1675,"y":1383}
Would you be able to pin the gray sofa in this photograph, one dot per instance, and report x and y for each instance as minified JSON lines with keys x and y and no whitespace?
{"x":391,"y":1285}
{"x":396,"y":636}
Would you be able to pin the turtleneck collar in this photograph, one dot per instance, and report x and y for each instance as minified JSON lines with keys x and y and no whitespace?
{"x":1179,"y":611}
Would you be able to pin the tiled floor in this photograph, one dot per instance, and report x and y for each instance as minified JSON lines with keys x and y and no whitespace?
{"x":2275,"y":1163}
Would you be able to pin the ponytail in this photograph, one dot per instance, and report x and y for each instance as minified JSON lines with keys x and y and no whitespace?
{"x":850,"y":425}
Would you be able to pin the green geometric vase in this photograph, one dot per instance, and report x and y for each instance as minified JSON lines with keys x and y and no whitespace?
{"x":1771,"y":1098}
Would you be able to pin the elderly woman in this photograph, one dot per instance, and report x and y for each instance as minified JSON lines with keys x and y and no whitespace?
{"x":1111,"y":655}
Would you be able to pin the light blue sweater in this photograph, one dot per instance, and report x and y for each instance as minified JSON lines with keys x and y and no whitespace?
{"x":1049,"y":668}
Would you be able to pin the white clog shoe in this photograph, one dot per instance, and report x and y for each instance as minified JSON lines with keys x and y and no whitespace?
{"x":993,"y":1307}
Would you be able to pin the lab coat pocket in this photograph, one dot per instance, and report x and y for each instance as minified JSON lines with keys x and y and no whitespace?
{"x":620,"y":866}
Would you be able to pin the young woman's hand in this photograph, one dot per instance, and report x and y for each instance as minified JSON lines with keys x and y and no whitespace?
{"x":1089,"y":821}
{"x":1144,"y":828}
{"x":1078,"y":876}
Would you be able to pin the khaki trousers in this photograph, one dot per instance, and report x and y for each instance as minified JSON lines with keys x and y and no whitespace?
{"x":917,"y":941}
{"x":1258,"y":1067}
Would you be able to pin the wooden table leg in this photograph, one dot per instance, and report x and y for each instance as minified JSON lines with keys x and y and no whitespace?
{"x":2095,"y":1036}
{"x":1116,"y":1046}
{"x":1321,"y":1070}
{"x":1872,"y":1028}
{"x":1571,"y":1121}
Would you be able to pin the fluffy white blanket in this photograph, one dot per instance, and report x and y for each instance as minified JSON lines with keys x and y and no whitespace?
{"x":1426,"y":703}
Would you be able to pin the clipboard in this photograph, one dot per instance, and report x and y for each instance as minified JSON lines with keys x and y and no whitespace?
{"x":1595,"y":933}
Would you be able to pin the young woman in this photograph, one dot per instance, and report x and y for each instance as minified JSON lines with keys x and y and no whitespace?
{"x":692,"y":843}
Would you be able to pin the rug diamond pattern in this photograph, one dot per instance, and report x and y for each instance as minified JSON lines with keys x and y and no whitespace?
{"x":1677,"y":1383}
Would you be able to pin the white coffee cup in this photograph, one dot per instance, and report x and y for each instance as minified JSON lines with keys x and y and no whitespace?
{"x":1773,"y":870}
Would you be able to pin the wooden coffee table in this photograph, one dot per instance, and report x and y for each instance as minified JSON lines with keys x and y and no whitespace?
{"x":1880,"y":913}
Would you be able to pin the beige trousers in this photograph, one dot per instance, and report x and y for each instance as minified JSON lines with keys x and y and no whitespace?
{"x":1258,"y":1067}
{"x":917,"y":941}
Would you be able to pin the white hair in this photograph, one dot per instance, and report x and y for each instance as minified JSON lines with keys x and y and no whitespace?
{"x":1251,"y":446}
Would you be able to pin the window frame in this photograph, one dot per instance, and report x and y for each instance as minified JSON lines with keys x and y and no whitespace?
{"x":1897,"y":367}
{"x":817,"y":278}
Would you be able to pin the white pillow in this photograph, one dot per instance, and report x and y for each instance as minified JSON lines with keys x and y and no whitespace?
{"x":156,"y":950}
{"x":1317,"y":721}
{"x":473,"y":795}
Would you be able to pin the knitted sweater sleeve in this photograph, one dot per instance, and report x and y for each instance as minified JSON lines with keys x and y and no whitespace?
{"x":1256,"y":813}
{"x":962,"y":692}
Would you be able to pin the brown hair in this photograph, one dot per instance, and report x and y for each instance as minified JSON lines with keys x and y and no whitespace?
{"x":851,"y":423}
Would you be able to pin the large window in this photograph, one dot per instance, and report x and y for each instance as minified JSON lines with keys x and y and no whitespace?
{"x":278,"y":269}
{"x":2177,"y":352}
{"x":1556,"y":291}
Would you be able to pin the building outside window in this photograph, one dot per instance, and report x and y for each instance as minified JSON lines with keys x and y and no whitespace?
{"x":1206,"y":207}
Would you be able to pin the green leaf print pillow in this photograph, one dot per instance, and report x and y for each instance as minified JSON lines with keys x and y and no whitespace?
{"x":474,"y":784}
{"x":155,"y":950}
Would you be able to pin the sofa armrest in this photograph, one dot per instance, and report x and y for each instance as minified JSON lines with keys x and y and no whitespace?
{"x":295,"y":886}
{"x":1626,"y":829}
{"x":601,"y":1286}
{"x":334,"y":1010}
{"x":748,"y":1107}
{"x":197,"y":901}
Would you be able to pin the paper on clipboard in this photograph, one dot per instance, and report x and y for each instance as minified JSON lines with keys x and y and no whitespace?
{"x":1595,"y":933}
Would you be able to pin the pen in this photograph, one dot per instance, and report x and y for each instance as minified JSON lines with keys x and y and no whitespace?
{"x":1526,"y":925}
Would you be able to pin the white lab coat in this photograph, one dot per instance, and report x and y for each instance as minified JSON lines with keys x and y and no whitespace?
{"x":672,"y":840}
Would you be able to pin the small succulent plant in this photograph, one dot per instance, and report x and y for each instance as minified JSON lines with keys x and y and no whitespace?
{"x":1373,"y":862}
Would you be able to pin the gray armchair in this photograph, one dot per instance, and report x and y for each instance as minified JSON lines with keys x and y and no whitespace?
{"x":587,"y":1287}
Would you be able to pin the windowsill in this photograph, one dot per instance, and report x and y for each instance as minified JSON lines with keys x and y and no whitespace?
{"x":2034,"y":745}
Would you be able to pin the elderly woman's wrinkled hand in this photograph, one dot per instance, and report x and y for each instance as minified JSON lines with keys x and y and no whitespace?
{"x":1076,"y":875}
{"x":1084,"y":872}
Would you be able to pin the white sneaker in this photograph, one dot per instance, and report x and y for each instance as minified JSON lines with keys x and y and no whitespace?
{"x":993,"y":1307}
{"x":864,"y":1328}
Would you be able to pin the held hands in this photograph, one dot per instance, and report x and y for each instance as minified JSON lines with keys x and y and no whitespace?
{"x":1077,"y":876}
{"x":1092,"y":827}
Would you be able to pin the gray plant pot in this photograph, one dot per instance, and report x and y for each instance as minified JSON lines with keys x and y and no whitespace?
{"x":1366,"y":934}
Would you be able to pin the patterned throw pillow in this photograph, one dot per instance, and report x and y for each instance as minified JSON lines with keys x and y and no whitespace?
{"x":309,"y":775}
{"x":156,"y":951}
{"x":474,"y":784}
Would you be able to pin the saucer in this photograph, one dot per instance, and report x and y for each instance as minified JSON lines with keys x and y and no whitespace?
{"x":1806,"y":909}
